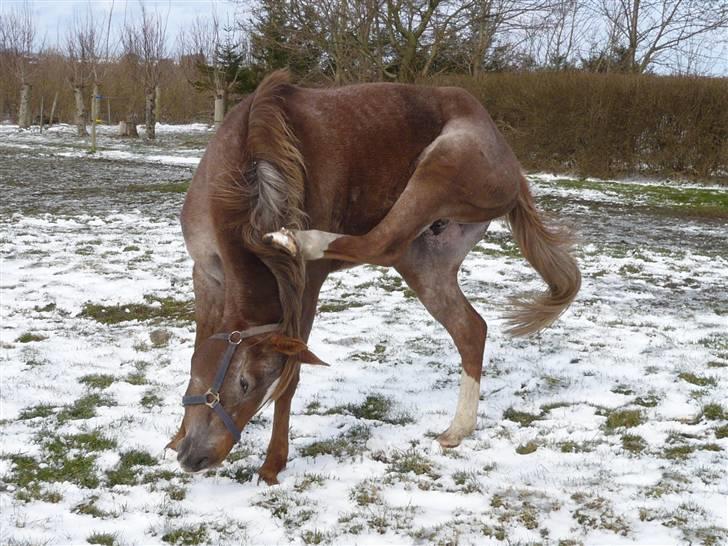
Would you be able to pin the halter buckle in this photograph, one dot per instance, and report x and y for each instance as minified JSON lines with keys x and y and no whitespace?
{"x":215,"y":398}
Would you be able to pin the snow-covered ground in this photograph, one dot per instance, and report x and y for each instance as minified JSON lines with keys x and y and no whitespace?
{"x":611,"y":427}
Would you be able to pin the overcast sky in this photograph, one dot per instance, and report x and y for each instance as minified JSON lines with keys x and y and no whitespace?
{"x":53,"y":17}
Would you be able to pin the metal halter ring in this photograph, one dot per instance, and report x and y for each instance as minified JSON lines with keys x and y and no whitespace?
{"x":231,"y":337}
{"x":215,"y":398}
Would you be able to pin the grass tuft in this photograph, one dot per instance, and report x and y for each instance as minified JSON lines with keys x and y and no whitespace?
{"x":106,"y":539}
{"x":624,"y":419}
{"x":97,"y":381}
{"x":521,"y":417}
{"x":188,"y":535}
{"x":129,"y":468}
{"x":697,"y":379}
{"x":28,"y":337}
{"x":156,"y":309}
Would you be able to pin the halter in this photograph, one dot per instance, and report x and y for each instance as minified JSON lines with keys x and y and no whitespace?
{"x":211,"y":398}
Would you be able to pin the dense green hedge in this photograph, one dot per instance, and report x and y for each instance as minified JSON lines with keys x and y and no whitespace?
{"x":609,"y":124}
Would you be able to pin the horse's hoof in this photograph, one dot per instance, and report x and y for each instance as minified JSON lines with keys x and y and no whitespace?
{"x":449,"y":440}
{"x":282,"y":240}
{"x":268,"y":477}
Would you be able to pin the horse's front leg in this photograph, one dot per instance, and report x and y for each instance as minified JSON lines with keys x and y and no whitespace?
{"x":277,"y":454}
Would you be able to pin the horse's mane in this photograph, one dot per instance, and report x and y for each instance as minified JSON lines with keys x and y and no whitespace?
{"x":269,"y":195}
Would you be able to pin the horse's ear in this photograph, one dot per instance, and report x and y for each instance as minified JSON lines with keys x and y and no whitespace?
{"x":307,"y":357}
{"x":287,"y":345}
{"x":294,"y":346}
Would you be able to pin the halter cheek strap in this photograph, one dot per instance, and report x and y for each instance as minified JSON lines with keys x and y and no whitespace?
{"x":211,"y":398}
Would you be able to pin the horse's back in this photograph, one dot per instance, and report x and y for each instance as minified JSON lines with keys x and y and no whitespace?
{"x":361,"y":144}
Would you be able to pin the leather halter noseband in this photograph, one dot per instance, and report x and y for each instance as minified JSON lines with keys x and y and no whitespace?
{"x":211,"y":398}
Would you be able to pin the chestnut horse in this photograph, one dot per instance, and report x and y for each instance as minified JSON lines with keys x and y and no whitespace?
{"x":298,"y":183}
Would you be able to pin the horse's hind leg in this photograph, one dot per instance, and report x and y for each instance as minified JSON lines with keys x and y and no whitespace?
{"x":453,"y":181}
{"x":430,"y":266}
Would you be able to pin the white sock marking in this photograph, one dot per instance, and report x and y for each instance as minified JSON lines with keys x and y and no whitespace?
{"x":467,"y":411}
{"x":313,"y":242}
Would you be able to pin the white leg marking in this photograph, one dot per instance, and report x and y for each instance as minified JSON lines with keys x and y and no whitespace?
{"x":466,"y":414}
{"x":313,"y":243}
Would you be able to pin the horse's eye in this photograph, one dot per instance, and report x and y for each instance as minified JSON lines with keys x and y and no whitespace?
{"x":244,"y":385}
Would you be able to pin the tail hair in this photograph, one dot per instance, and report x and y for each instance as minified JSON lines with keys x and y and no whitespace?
{"x":548,"y":250}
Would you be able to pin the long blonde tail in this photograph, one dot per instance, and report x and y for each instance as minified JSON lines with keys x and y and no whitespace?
{"x":547,"y":249}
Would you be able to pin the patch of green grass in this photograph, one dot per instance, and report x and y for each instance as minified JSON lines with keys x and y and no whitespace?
{"x":130,"y":248}
{"x":27,"y":337}
{"x":88,"y":508}
{"x":721,"y":432}
{"x":315,"y":537}
{"x":697,"y":380}
{"x":292,"y":509}
{"x":45,"y":309}
{"x":176,"y":492}
{"x":150,"y":400}
{"x":241,"y":474}
{"x":156,"y":309}
{"x":107,"y":539}
{"x":404,"y":462}
{"x":94,"y":441}
{"x":85,"y":407}
{"x":349,"y":444}
{"x":376,"y":408}
{"x":41,"y":410}
{"x":678,"y":452}
{"x":188,"y":535}
{"x":570,"y":446}
{"x":307,"y":481}
{"x":97,"y":381}
{"x":521,"y":417}
{"x":467,"y":481}
{"x":598,"y":513}
{"x":335,"y":306}
{"x":622,"y":389}
{"x":366,"y":493}
{"x":647,"y":401}
{"x":633,"y":443}
{"x":527,"y":449}
{"x":714,"y":412}
{"x":29,"y":473}
{"x":624,"y":419}
{"x":129,"y":469}
{"x":136,"y":378}
{"x":701,"y":201}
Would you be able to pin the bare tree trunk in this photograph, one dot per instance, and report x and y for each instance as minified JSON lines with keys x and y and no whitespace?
{"x":220,"y":106}
{"x":53,"y":109}
{"x":24,"y":110}
{"x":149,"y":112}
{"x":80,"y":111}
{"x":158,"y":103}
{"x":132,"y":126}
{"x":40,"y":121}
{"x":95,"y":99}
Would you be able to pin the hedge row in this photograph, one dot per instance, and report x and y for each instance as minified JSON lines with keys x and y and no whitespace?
{"x":609,"y":124}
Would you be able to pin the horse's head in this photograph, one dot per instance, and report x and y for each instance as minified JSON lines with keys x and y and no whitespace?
{"x":232,"y":376}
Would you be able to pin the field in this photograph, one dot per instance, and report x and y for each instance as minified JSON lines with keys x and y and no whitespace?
{"x":611,"y":427}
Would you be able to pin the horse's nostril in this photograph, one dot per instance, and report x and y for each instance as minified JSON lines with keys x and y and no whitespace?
{"x":202,"y":463}
{"x":193,"y":463}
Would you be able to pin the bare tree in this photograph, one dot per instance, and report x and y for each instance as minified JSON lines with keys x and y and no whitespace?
{"x":647,"y":30}
{"x":88,"y":50}
{"x":145,"y":41}
{"x":214,"y":59}
{"x":17,"y":36}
